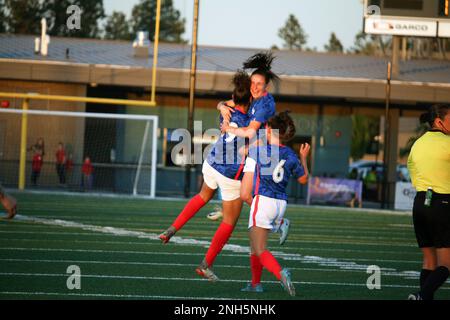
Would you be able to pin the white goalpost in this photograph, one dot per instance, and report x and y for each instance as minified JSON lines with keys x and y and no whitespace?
{"x":121,"y":147}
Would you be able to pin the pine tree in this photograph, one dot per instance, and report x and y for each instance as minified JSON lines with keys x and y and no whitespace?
{"x":292,"y":33}
{"x":92,"y":12}
{"x":171,"y":23}
{"x":334,"y":45}
{"x":24,"y":16}
{"x":117,"y":27}
{"x":364,"y":44}
{"x":2,"y":16}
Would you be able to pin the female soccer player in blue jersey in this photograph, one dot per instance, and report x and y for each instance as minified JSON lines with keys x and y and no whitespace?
{"x":261,"y":109}
{"x":263,"y":105}
{"x":266,"y":174}
{"x":222,"y":169}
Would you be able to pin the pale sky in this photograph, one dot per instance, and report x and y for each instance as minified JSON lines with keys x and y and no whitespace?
{"x":255,"y":23}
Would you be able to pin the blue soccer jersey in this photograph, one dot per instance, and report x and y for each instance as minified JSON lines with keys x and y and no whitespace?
{"x":273,"y":167}
{"x":224,"y":156}
{"x":262,"y":109}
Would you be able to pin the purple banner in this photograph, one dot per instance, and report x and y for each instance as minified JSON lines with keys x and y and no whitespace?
{"x":334,"y":191}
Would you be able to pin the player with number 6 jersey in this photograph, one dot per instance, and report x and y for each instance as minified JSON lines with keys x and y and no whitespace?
{"x":267,"y":171}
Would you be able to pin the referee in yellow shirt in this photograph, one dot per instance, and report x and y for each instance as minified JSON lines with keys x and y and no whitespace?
{"x":429,"y":167}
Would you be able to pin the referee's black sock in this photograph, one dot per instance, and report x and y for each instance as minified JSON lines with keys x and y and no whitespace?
{"x":424,"y":273}
{"x":433,"y":282}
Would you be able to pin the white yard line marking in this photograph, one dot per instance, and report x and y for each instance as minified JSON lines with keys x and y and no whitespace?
{"x":384,"y":271}
{"x":101,"y":276}
{"x":291,"y":241}
{"x":234,"y":239}
{"x":347,"y":264}
{"x":286,"y":256}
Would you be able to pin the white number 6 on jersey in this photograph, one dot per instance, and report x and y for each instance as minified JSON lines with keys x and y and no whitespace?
{"x":278,"y":173}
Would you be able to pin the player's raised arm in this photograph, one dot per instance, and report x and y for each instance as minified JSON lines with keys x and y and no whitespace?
{"x":304,"y":151}
{"x":225,"y":110}
{"x":246,"y":132}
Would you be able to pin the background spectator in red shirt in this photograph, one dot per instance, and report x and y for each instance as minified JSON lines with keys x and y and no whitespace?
{"x":36,"y":166}
{"x":87,"y":170}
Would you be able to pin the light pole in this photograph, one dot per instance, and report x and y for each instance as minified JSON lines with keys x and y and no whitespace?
{"x":192,"y":79}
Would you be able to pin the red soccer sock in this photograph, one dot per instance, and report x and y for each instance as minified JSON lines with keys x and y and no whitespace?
{"x":190,"y":209}
{"x":256,"y":267}
{"x":220,"y":238}
{"x":270,"y":263}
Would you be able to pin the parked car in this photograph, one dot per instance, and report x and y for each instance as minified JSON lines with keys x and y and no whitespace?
{"x":364,"y":166}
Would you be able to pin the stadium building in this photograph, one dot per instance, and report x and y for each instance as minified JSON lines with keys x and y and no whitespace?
{"x":322,"y":90}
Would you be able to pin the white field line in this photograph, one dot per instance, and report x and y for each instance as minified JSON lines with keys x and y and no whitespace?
{"x":235,"y":238}
{"x":347,"y":262}
{"x":101,"y":295}
{"x":331,"y":242}
{"x":305,"y":259}
{"x":306,"y":230}
{"x":314,"y":220}
{"x":384,"y":271}
{"x":320,"y":261}
{"x":158,"y":245}
{"x":101,"y":276}
{"x":207,"y":226}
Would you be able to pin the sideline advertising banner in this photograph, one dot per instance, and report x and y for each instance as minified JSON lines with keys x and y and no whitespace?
{"x":334,"y":191}
{"x":404,"y":196}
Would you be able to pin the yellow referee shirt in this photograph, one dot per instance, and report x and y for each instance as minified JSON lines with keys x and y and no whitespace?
{"x":429,"y":162}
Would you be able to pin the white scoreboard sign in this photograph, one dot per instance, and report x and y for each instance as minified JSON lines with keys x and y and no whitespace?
{"x":400,"y":27}
{"x":444,"y":29}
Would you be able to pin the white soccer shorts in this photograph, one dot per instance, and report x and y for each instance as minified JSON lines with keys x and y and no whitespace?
{"x":266,"y":213}
{"x":230,"y":189}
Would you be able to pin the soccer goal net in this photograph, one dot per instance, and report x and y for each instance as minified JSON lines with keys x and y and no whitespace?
{"x":79,"y":151}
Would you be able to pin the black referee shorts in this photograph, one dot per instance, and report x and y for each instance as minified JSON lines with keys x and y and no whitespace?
{"x":432,"y":224}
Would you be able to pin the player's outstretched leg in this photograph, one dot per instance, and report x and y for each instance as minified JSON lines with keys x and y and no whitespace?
{"x":205,"y":271}
{"x":166,"y":235}
{"x":188,"y":212}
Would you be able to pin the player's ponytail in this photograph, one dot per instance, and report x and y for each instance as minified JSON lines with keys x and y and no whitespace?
{"x":435,"y":111}
{"x":284,"y":124}
{"x":262,"y":63}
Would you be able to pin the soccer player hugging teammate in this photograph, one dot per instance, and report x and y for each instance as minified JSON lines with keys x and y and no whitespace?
{"x":267,"y":170}
{"x":262,"y":107}
{"x":263,"y":104}
{"x":222,"y":169}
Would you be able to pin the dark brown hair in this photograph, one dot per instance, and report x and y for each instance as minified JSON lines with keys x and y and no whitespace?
{"x":262,"y":62}
{"x":435,"y":111}
{"x":241,"y":92}
{"x":284,"y":124}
